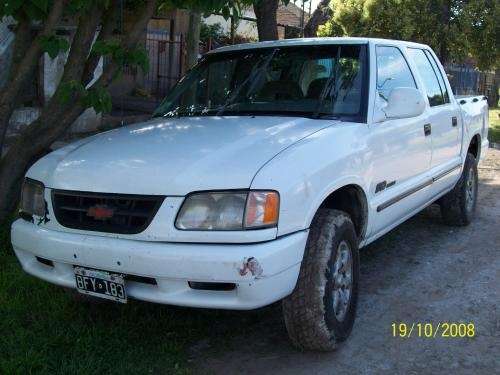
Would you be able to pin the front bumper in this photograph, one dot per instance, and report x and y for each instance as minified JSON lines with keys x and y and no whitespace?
{"x":172,"y":265}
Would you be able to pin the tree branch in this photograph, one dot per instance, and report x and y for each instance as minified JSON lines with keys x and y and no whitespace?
{"x":130,"y":41}
{"x":141,"y":24}
{"x":320,"y":16}
{"x":80,"y":46}
{"x":108,"y":26}
{"x":22,"y":41}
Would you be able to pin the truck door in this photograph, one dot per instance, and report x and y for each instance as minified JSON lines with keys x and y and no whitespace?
{"x":401,"y":148}
{"x":443,"y":115}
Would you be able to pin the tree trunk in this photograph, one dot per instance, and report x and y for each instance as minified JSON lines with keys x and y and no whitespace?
{"x":22,"y":41}
{"x":265,"y":12}
{"x":193,"y":39}
{"x":110,"y":19}
{"x":23,"y":70}
{"x":319,"y":17}
{"x":26,"y":150}
{"x":53,"y":120}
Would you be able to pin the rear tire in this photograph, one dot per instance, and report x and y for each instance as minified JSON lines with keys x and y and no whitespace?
{"x":321,"y":310}
{"x":458,"y":207}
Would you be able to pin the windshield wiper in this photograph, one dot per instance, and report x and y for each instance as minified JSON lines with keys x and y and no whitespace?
{"x":326,"y":89}
{"x":258,"y":69}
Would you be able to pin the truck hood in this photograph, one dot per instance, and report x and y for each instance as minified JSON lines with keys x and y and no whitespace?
{"x":173,"y":156}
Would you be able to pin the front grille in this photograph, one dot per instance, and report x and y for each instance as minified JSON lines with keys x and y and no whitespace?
{"x":128,"y":213}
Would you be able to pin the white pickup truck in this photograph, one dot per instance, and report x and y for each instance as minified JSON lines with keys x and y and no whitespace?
{"x":258,"y":179}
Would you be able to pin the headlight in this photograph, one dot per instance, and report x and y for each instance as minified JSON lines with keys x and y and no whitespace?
{"x":231,"y":210}
{"x":32,"y":198}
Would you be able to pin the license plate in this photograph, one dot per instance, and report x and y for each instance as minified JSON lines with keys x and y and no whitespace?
{"x":100,"y":284}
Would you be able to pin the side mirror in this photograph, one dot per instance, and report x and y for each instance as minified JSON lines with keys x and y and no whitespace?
{"x":404,"y":102}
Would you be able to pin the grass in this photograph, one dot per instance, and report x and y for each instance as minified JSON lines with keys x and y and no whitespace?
{"x":43,"y":330}
{"x":494,"y":130}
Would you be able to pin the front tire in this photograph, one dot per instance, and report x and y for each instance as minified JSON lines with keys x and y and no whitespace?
{"x":458,"y":207}
{"x":321,"y":310}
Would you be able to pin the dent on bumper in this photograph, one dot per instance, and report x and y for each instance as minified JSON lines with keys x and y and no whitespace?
{"x":263,"y":272}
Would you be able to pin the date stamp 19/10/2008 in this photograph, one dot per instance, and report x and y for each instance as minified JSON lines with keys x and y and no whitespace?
{"x":433,"y":330}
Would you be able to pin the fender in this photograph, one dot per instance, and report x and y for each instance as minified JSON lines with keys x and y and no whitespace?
{"x":330,"y":189}
{"x":305,"y":174}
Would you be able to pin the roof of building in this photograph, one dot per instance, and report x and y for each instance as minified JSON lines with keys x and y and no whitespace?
{"x":290,"y":15}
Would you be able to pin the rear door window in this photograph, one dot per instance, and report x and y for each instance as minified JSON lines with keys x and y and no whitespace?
{"x":444,"y":90}
{"x":428,"y":75}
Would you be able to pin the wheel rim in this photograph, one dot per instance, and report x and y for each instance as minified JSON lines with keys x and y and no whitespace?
{"x":342,"y":280}
{"x":470,"y":190}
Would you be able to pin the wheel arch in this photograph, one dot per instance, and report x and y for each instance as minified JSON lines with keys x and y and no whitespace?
{"x":475,"y":146}
{"x":351,"y":199}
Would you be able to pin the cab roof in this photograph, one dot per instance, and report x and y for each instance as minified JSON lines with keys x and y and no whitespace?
{"x":315,"y":42}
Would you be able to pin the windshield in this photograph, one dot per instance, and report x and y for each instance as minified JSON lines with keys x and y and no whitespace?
{"x":317,"y":81}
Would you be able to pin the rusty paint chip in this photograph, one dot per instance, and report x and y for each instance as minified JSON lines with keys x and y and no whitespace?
{"x":251,"y":265}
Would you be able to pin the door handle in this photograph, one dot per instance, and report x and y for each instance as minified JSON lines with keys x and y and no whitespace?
{"x":454,"y":121}
{"x":427,"y":129}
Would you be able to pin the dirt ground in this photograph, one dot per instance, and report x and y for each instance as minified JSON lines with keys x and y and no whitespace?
{"x":421,"y":272}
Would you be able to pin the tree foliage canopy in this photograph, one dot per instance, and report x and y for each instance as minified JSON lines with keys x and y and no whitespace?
{"x":455,"y":29}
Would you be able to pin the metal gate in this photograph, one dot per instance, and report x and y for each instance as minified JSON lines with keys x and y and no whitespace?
{"x":166,"y":59}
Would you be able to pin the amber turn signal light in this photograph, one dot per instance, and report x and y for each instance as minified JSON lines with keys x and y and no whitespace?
{"x":262,"y":209}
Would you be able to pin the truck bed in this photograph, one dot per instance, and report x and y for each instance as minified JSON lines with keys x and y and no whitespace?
{"x":475,"y":115}
{"x":464,"y":99}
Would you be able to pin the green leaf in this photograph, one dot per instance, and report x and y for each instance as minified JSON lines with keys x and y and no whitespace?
{"x":10,"y":8}
{"x":53,"y":45}
{"x":76,"y":6}
{"x":120,"y":56}
{"x":66,"y":90}
{"x":34,"y":10}
{"x":43,"y":5}
{"x":99,"y":99}
{"x":106,"y":47}
{"x":138,"y":57}
{"x":226,"y":13}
